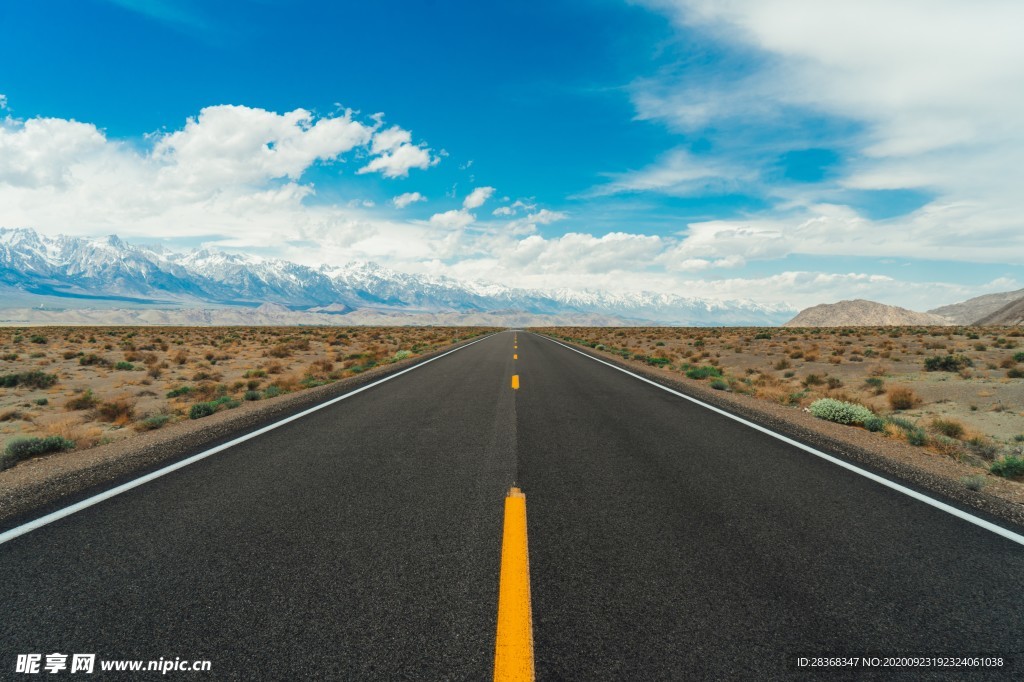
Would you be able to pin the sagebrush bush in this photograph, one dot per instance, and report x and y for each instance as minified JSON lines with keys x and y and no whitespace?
{"x":840,"y":411}
{"x":152,"y":423}
{"x":703,"y":372}
{"x":34,"y":379}
{"x":947,"y":363}
{"x":1010,"y":466}
{"x":83,"y":402}
{"x":874,"y":424}
{"x":948,"y":427}
{"x":23,"y":448}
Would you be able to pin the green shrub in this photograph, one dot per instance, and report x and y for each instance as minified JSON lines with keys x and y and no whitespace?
{"x":23,"y":448}
{"x":180,"y":390}
{"x":703,"y":372}
{"x":719,"y":385}
{"x":948,"y":427}
{"x":762,"y":335}
{"x":1010,"y":466}
{"x":153,"y":423}
{"x":124,"y":366}
{"x":917,"y":437}
{"x":402,"y":355}
{"x":840,"y":411}
{"x":93,"y":359}
{"x":272,"y":392}
{"x":1018,"y":357}
{"x":34,"y":379}
{"x":875,"y":424}
{"x":948,"y":363}
{"x":253,"y":395}
{"x":41,"y":401}
{"x":37,"y":338}
{"x":1015,"y":373}
{"x":200,"y":410}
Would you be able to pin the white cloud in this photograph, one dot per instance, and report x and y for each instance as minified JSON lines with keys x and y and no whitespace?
{"x":3,"y":102}
{"x":403,"y":200}
{"x":932,"y":86}
{"x":399,"y":161}
{"x":677,"y":173}
{"x":390,"y":139}
{"x":455,"y":219}
{"x":477,"y":197}
{"x":503,"y":211}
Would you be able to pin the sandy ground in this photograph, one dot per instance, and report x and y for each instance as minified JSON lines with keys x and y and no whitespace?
{"x":784,"y":370}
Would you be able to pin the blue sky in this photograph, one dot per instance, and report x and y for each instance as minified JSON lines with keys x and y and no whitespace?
{"x":775,"y":150}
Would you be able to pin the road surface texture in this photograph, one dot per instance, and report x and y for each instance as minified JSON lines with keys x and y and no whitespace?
{"x":363,"y":541}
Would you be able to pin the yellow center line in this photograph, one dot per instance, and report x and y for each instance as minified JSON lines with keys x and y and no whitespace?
{"x":515,"y":356}
{"x":513,"y":650}
{"x":515,"y":381}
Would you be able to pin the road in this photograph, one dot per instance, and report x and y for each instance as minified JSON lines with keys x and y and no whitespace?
{"x":363,"y":541}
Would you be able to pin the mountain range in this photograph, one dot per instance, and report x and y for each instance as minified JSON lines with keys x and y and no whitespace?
{"x":76,"y":280}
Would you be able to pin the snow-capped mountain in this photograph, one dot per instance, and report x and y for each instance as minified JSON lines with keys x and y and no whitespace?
{"x":110,"y":269}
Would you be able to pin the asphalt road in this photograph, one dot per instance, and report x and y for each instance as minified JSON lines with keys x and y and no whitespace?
{"x":363,"y":542}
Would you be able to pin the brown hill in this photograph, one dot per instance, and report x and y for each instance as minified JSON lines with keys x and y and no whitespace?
{"x":974,"y":309}
{"x":861,"y":313}
{"x":1011,"y":314}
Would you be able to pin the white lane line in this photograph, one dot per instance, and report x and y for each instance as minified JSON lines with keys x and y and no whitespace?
{"x":106,"y":495}
{"x":970,"y":518}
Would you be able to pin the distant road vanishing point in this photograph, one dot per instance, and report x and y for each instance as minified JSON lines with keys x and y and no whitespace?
{"x":628,"y":533}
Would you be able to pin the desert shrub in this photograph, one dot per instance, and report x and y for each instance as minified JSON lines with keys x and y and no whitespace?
{"x":719,"y":385}
{"x":840,"y":411}
{"x":200,"y":410}
{"x":703,"y":372}
{"x":813,"y":380}
{"x":23,"y":448}
{"x":782,"y":364}
{"x":1018,"y":357}
{"x":93,"y":359}
{"x":948,"y":427}
{"x":272,"y":392}
{"x":975,"y":483}
{"x":1010,"y":466}
{"x":34,"y":379}
{"x":917,"y":436}
{"x":85,"y":401}
{"x":121,"y":410}
{"x":762,"y":335}
{"x":947,"y":363}
{"x":252,"y":395}
{"x":41,"y":401}
{"x":1015,"y":373}
{"x":152,"y":423}
{"x":835,"y":382}
{"x":902,"y":398}
{"x":180,"y":390}
{"x":124,"y":366}
{"x":874,"y":424}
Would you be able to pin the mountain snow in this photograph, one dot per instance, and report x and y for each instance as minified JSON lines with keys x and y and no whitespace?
{"x":110,"y":268}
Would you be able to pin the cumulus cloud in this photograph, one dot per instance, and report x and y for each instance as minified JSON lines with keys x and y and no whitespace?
{"x":477,"y":197}
{"x":455,"y":219}
{"x":403,"y":200}
{"x":398,"y":162}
